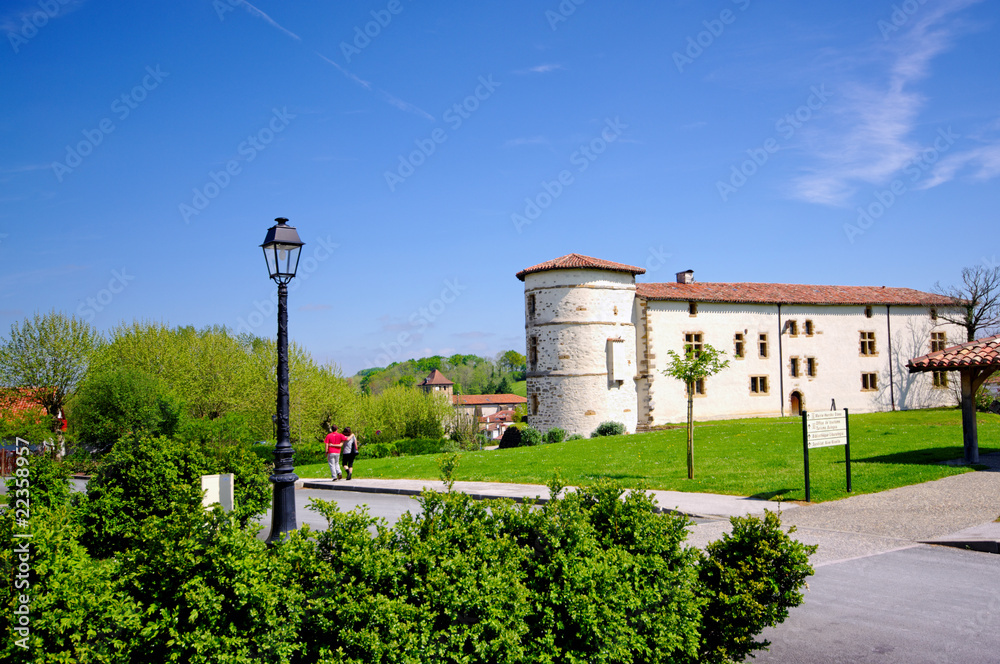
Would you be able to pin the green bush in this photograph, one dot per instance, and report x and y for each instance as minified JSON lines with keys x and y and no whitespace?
{"x":530,"y":437}
{"x":608,"y":429}
{"x":417,"y":446}
{"x":750,"y":578}
{"x":377,"y":451}
{"x":511,"y":438}
{"x":144,"y":478}
{"x":576,"y":436}
{"x":47,"y":483}
{"x":115,"y":402}
{"x":555,"y":435}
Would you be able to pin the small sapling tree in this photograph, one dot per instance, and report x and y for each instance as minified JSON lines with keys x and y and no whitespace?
{"x":699,"y":362}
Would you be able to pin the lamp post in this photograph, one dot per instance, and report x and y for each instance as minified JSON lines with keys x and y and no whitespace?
{"x":282,"y":247}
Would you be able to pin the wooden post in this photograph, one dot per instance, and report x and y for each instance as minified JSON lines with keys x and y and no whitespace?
{"x":690,"y":453}
{"x":970,"y":438}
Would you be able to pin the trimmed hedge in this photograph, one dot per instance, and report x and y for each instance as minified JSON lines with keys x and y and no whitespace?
{"x":608,"y":429}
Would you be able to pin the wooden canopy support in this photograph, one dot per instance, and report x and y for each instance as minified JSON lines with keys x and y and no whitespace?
{"x":975,"y":361}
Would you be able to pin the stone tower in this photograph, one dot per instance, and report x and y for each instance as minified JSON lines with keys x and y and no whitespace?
{"x":581,"y":341}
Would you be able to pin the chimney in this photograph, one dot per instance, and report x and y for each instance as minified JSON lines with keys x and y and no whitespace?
{"x":685,"y":277}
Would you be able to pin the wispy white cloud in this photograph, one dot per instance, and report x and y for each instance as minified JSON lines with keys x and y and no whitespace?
{"x":259,"y":14}
{"x":525,"y":140}
{"x":13,"y":21}
{"x":540,"y":69}
{"x":870,"y":137}
{"x":984,"y":162}
{"x":388,"y":98}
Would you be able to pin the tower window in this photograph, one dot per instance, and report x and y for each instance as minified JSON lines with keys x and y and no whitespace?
{"x":531,"y":306}
{"x":533,"y":353}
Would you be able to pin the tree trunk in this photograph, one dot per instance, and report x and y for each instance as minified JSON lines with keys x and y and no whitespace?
{"x":690,"y":454}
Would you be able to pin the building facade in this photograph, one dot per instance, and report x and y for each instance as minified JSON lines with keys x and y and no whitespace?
{"x":597,"y":344}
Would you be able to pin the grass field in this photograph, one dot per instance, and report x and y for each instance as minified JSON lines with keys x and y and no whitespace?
{"x":750,"y":457}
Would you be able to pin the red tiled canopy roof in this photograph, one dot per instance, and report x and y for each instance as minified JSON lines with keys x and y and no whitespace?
{"x":436,"y":378}
{"x":579,"y":261}
{"x":982,"y":353}
{"x":788,"y":294}
{"x":485,"y":399}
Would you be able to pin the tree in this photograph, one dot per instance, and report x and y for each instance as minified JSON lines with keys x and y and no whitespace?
{"x":511,"y":362}
{"x":49,"y":352}
{"x":978,"y":297}
{"x":696,"y":365}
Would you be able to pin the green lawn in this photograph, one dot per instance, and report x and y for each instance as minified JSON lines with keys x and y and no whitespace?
{"x":751,"y":457}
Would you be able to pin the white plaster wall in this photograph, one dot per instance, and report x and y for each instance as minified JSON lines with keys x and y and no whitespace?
{"x":576,"y":312}
{"x":835,"y":344}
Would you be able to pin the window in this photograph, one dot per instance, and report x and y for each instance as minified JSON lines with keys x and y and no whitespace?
{"x":693,"y":343}
{"x":533,"y":353}
{"x":699,"y":387}
{"x":794,"y":369}
{"x":940,"y":378}
{"x":933,"y":313}
{"x":811,"y":367}
{"x":869,"y":382}
{"x":868,"y":343}
{"x":692,"y":308}
{"x":758,"y":384}
{"x":868,"y":311}
{"x":809,"y":328}
{"x":534,"y":404}
{"x":762,"y":345}
{"x":531,"y":306}
{"x":739,"y":351}
{"x":793,"y":328}
{"x":938,"y":341}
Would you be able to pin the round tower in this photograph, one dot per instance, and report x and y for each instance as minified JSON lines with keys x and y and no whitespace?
{"x":581,"y":343}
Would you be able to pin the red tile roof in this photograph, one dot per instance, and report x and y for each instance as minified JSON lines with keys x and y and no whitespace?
{"x":436,"y":378}
{"x":982,"y":353}
{"x":788,"y":294}
{"x":579,"y":261}
{"x":499,"y":416}
{"x":485,"y":399}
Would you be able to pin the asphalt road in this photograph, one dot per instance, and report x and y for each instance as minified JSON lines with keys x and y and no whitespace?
{"x":385,"y":506}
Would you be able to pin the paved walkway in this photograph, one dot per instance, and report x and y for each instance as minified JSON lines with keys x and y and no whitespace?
{"x":960,"y":510}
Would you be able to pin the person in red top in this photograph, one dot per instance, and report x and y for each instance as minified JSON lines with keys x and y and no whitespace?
{"x":334,"y":443}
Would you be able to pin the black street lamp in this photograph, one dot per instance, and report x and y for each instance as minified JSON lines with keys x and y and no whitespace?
{"x":282,"y":247}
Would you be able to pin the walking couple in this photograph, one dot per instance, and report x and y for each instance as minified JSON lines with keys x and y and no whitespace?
{"x":341,"y":445}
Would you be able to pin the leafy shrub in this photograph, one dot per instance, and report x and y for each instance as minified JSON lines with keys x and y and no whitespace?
{"x":750,"y":579}
{"x":608,"y":429}
{"x":530,"y":437}
{"x":144,"y":478}
{"x":377,"y":450}
{"x":555,"y":435}
{"x":47,"y":484}
{"x":511,"y":438}
{"x":115,"y":402}
{"x":576,"y":436}
{"x":416,"y":446}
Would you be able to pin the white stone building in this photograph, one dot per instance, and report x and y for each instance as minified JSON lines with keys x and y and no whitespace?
{"x":597,"y":344}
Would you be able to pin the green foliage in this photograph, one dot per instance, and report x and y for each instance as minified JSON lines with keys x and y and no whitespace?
{"x":531,"y":437}
{"x":511,"y":438}
{"x":608,"y":429}
{"x":576,"y":436}
{"x":402,"y":447}
{"x":47,"y":484}
{"x":28,"y":426}
{"x":50,"y":352}
{"x":115,"y":402}
{"x":750,"y":578}
{"x":555,"y":435}
{"x":145,"y":478}
{"x":695,"y":365}
{"x":377,"y":451}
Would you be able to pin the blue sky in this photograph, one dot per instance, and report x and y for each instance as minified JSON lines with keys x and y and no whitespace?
{"x":428,"y":151}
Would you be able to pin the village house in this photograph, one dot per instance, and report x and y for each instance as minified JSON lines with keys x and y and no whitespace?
{"x":485,"y":408}
{"x":597,"y":344}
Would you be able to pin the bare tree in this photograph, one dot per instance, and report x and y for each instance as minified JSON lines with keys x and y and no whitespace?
{"x":978,"y":297}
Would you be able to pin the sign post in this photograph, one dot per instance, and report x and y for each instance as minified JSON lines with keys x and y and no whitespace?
{"x":826,"y":429}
